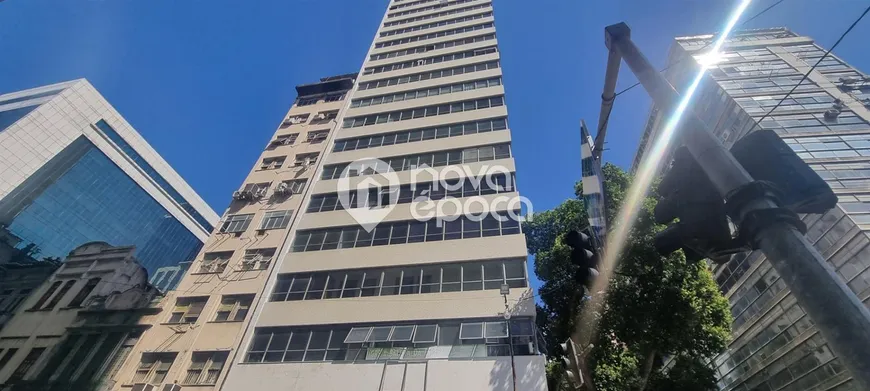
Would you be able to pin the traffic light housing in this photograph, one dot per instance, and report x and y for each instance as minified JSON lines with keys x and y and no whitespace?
{"x":584,"y":256}
{"x":703,"y":229}
{"x":570,"y":359}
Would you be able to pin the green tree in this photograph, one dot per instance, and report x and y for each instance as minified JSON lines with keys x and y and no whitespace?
{"x":656,"y":306}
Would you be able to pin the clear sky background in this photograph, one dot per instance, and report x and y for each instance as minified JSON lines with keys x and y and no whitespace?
{"x":208,"y":82}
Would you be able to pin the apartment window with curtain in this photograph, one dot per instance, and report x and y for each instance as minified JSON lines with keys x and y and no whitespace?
{"x":234,"y":308}
{"x":84,"y":292}
{"x":205,"y":367}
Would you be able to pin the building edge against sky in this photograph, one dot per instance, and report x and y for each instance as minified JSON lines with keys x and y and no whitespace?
{"x":827,"y":122}
{"x":74,"y":171}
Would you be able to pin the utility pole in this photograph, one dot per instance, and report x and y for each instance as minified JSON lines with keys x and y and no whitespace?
{"x":505,"y":290}
{"x":838,"y":314}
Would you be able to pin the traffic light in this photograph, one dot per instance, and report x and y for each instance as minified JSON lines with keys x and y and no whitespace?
{"x":584,"y":256}
{"x":572,"y":365}
{"x":703,"y":229}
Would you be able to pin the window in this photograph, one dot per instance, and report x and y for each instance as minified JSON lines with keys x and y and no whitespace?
{"x":45,"y":296}
{"x":84,"y":292}
{"x":305,"y":159}
{"x":237,"y":223}
{"x":437,"y":90}
{"x":258,"y":259}
{"x":439,"y":34}
{"x":234,"y":308}
{"x":294,"y":186}
{"x":253,"y":191}
{"x":430,"y":60}
{"x":26,"y":364}
{"x":455,"y":107}
{"x":400,"y":280}
{"x":287,"y":139}
{"x":317,"y":136}
{"x":153,"y":368}
{"x":434,"y":159}
{"x":429,"y":8}
{"x":324,"y":117}
{"x":295,"y":120}
{"x":6,"y":355}
{"x":215,"y":262}
{"x":437,"y":15}
{"x":436,"y":24}
{"x":276,"y":219}
{"x":205,"y":367}
{"x":60,"y":294}
{"x":272,"y":163}
{"x":187,"y":309}
{"x":393,"y":341}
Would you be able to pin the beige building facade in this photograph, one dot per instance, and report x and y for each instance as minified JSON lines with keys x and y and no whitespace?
{"x":394,"y":276}
{"x":202,"y":322}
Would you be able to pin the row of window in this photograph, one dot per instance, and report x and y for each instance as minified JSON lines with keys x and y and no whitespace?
{"x":9,"y":300}
{"x":57,"y":290}
{"x":808,"y":101}
{"x":769,"y":85}
{"x":310,"y":100}
{"x":399,"y":341}
{"x":233,"y":308}
{"x":791,"y":369}
{"x":430,"y":60}
{"x":437,"y":15}
{"x":430,"y":47}
{"x":428,"y":75}
{"x":255,"y":191}
{"x":426,"y":111}
{"x":428,"y":8}
{"x":410,"y":4}
{"x":815,"y":122}
{"x":411,"y":162}
{"x":456,"y":277}
{"x":205,"y":367}
{"x":254,"y":259}
{"x":301,"y":160}
{"x":415,"y":135}
{"x":313,"y":137}
{"x":829,"y":143}
{"x":320,"y":118}
{"x":402,"y":232}
{"x":439,"y":34}
{"x":436,"y":24}
{"x":760,"y":68}
{"x":422,"y":93}
{"x":418,"y":192}
{"x":273,"y":219}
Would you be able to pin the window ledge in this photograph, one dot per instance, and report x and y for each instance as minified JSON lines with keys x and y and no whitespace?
{"x":204,"y":273}
{"x":177,"y":323}
{"x":185,"y":385}
{"x":221,"y":321}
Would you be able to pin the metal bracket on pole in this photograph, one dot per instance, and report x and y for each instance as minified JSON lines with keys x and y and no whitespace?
{"x":838,"y":314}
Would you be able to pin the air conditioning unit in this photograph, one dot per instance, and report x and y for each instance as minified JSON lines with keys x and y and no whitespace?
{"x":282,"y":189}
{"x":831,"y":114}
{"x":421,"y":62}
{"x":143,"y":387}
{"x":321,"y":116}
{"x":259,"y":193}
{"x":171,"y":387}
{"x":248,"y":264}
{"x":243,"y":195}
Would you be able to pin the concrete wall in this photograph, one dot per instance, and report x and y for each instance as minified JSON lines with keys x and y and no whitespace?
{"x":434,"y":375}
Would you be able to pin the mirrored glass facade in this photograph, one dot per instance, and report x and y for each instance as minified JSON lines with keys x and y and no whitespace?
{"x":94,"y":200}
{"x":775,"y":345}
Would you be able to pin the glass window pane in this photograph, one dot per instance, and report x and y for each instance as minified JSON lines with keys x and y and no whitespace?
{"x":471,"y":331}
{"x":426,"y":333}
{"x":357,"y":335}
{"x":379,"y":334}
{"x":496,"y":330}
{"x":402,"y":333}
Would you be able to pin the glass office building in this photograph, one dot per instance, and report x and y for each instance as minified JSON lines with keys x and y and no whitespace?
{"x":826,"y":121}
{"x":74,"y":171}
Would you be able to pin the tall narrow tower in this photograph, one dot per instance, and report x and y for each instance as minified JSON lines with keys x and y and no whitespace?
{"x":397,"y":269}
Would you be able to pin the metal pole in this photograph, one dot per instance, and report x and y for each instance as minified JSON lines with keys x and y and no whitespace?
{"x":838,"y":314}
{"x":507,"y":318}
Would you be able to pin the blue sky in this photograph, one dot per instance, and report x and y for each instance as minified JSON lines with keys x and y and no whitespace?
{"x":207,"y":82}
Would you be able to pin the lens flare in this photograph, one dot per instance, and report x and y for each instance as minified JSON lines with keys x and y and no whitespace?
{"x":640,"y":186}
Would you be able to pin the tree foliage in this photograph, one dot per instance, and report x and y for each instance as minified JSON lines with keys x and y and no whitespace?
{"x":657,"y":306}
